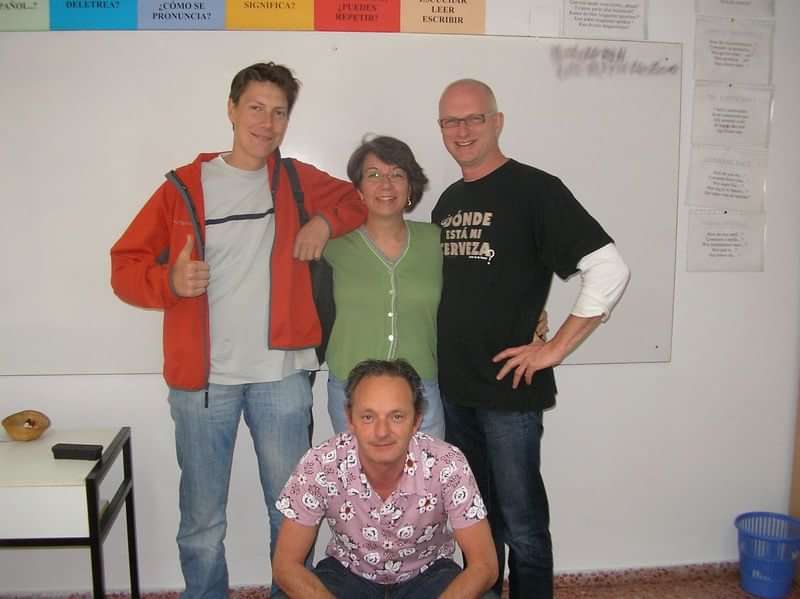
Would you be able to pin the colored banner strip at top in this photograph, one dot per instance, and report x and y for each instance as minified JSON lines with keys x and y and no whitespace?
{"x":418,"y":16}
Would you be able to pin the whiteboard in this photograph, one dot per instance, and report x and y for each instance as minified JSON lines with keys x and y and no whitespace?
{"x":92,"y":120}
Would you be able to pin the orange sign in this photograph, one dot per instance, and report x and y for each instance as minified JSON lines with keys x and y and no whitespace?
{"x":443,"y":16}
{"x":269,"y":14}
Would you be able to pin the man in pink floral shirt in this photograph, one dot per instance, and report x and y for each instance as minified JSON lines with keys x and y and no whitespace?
{"x":397,"y":501}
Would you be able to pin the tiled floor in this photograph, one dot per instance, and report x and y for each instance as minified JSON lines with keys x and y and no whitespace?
{"x":723,"y":588}
{"x":716,"y":581}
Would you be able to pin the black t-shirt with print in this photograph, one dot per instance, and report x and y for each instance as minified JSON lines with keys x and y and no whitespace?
{"x":503,"y":236}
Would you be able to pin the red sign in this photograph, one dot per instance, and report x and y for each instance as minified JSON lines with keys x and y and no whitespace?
{"x":357,"y":15}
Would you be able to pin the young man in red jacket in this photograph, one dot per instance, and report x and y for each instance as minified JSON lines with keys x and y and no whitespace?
{"x":219,"y":248}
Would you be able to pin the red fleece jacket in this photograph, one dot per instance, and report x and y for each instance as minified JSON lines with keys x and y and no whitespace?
{"x":142,"y":257}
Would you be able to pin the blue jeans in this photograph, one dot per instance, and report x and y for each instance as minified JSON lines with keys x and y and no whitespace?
{"x":343,"y":584}
{"x":432,"y":416}
{"x":278,"y":415}
{"x":503,"y":451}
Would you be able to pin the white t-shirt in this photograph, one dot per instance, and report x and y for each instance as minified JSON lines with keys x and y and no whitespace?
{"x":240,"y":231}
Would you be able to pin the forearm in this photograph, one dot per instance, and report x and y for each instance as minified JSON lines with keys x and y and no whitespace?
{"x":604,"y":276}
{"x":571,"y":334}
{"x":141,"y":282}
{"x":300,"y":583}
{"x":471,"y":583}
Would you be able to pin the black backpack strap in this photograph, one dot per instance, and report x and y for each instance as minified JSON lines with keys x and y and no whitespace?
{"x":275,"y":175}
{"x":297,"y":191}
{"x":320,"y":271}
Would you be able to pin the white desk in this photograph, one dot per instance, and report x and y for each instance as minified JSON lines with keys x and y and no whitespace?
{"x":56,"y":503}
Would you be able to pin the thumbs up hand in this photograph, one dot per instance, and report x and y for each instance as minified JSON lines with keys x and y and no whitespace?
{"x":189,"y":277}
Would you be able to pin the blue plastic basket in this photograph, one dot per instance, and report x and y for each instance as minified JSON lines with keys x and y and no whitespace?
{"x":768,"y":547}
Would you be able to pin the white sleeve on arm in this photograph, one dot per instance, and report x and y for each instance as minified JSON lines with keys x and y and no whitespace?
{"x":604,"y":276}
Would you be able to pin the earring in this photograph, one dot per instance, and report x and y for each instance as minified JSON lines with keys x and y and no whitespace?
{"x":409,"y":200}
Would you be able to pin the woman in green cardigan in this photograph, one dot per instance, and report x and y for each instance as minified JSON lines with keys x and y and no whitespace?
{"x":387,"y":279}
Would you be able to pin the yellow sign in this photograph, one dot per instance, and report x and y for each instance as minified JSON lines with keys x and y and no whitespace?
{"x":269,"y":14}
{"x":443,"y":16}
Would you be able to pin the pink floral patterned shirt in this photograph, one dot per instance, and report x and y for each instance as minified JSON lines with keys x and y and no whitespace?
{"x":385,"y":541}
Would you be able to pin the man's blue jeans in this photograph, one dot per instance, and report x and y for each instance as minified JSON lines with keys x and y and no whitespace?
{"x":432,"y":415}
{"x":343,"y":584}
{"x":503,"y":451}
{"x":278,"y":415}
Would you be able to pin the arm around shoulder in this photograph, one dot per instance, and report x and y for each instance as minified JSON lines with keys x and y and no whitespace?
{"x":333,"y":199}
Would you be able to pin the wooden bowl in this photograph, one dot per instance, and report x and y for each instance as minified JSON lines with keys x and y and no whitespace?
{"x":26,"y":425}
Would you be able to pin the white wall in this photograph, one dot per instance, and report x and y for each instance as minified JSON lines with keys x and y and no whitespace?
{"x":646,"y":464}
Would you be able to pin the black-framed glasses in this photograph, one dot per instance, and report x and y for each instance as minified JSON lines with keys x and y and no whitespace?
{"x":471,"y":120}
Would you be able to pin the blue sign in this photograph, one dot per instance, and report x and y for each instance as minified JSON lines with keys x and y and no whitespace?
{"x":92,"y":14}
{"x":182,"y":14}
